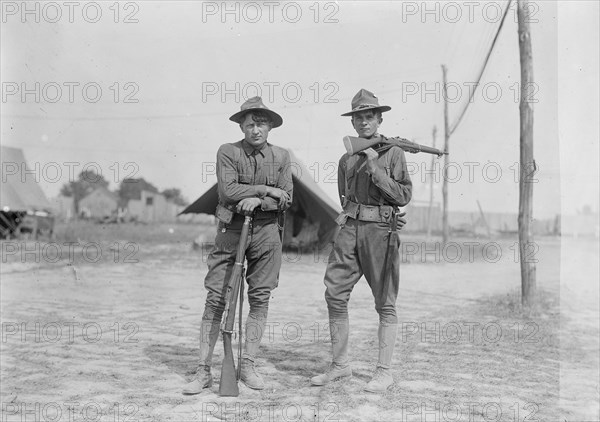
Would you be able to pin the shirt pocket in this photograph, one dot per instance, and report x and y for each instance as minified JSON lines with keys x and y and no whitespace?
{"x":270,"y":171}
{"x":374,"y":191}
{"x":271,"y":181}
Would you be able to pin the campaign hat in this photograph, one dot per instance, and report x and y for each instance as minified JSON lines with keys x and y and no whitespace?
{"x":256,"y":103}
{"x":366,"y":100}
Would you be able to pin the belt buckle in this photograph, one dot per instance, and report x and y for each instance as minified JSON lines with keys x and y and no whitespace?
{"x":369,"y":213}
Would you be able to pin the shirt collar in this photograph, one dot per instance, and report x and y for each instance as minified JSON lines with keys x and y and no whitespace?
{"x":249,"y":149}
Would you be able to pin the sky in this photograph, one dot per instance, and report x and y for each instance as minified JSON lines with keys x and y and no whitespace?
{"x":146,"y":88}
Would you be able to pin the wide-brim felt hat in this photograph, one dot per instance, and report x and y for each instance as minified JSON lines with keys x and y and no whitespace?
{"x":365,"y":100}
{"x":255,"y":103}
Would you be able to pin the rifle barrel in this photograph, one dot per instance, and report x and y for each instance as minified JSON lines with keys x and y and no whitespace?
{"x":355,"y":145}
{"x":228,"y":385}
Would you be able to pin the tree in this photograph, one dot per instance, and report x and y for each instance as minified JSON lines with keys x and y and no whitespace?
{"x":86,"y":183}
{"x":131,"y":188}
{"x":174,"y":195}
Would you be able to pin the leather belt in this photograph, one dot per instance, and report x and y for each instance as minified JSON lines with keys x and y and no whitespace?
{"x":372,"y":213}
{"x":265,"y":215}
{"x":227,"y":214}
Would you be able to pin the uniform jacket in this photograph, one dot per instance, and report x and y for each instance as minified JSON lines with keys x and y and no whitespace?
{"x":389,"y":185}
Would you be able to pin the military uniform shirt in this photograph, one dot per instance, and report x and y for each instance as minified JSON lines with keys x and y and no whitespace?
{"x":245,"y":172}
{"x":388,"y":185}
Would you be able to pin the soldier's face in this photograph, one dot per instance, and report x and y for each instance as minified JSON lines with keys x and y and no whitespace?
{"x":255,"y":133}
{"x":366,"y":123}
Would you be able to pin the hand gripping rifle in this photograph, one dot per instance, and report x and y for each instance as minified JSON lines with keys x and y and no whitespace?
{"x":354,"y":145}
{"x":228,"y":386}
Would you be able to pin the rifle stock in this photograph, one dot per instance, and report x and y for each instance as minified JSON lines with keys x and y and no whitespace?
{"x":354,"y":145}
{"x":228,"y":386}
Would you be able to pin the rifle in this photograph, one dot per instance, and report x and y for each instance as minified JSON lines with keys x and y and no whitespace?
{"x":355,"y":145}
{"x":392,"y":232}
{"x":228,"y":386}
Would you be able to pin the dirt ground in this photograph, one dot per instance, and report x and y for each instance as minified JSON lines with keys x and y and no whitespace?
{"x":117,"y":339}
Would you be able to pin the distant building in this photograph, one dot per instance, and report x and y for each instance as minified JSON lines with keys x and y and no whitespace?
{"x":98,"y":204}
{"x":417,"y":214}
{"x":152,"y":207}
{"x":472,"y":222}
{"x":63,"y":207}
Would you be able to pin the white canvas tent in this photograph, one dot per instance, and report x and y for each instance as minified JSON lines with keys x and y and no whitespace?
{"x":309,"y":222}
{"x":20,"y":195}
{"x":19,"y":189}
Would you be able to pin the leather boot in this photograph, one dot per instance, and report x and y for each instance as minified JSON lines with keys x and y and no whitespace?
{"x":250,"y":377}
{"x":339,"y":368}
{"x":209,"y":333}
{"x":255,"y":327}
{"x":203,"y":379}
{"x":382,"y":378}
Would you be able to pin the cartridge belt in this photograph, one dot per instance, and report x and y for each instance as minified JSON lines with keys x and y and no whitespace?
{"x":372,"y":213}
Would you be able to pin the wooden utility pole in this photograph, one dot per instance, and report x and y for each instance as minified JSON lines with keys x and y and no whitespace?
{"x":431,"y":187}
{"x":527,"y":164}
{"x":484,"y":220}
{"x":445,"y":230}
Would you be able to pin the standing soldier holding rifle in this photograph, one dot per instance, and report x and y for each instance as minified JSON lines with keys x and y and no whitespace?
{"x":254,"y":177}
{"x":371,"y":188}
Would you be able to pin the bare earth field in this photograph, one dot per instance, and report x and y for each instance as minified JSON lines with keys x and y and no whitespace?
{"x":116,"y":339}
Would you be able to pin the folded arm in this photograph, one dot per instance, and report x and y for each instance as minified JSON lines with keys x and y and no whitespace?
{"x":280,"y":196}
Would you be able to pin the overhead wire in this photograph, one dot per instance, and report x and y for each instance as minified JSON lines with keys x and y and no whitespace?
{"x":213,"y":113}
{"x":454,"y":125}
{"x":479,"y":52}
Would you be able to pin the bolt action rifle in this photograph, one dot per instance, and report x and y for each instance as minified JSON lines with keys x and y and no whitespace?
{"x":228,"y":386}
{"x":354,"y":145}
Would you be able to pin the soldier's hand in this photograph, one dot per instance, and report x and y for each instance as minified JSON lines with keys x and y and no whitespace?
{"x":400,"y":220}
{"x":247,"y":205}
{"x":371,"y":154}
{"x":284,"y":199}
{"x":372,"y":157}
{"x":279,"y":194}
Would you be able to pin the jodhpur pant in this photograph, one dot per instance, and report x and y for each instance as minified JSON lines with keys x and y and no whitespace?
{"x":360,"y":248}
{"x":264,"y":260}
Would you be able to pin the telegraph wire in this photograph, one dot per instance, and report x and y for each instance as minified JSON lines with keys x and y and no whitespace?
{"x":487,"y":58}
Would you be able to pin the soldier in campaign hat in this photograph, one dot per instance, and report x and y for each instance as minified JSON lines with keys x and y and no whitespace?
{"x":371,"y":188}
{"x":253,"y":176}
